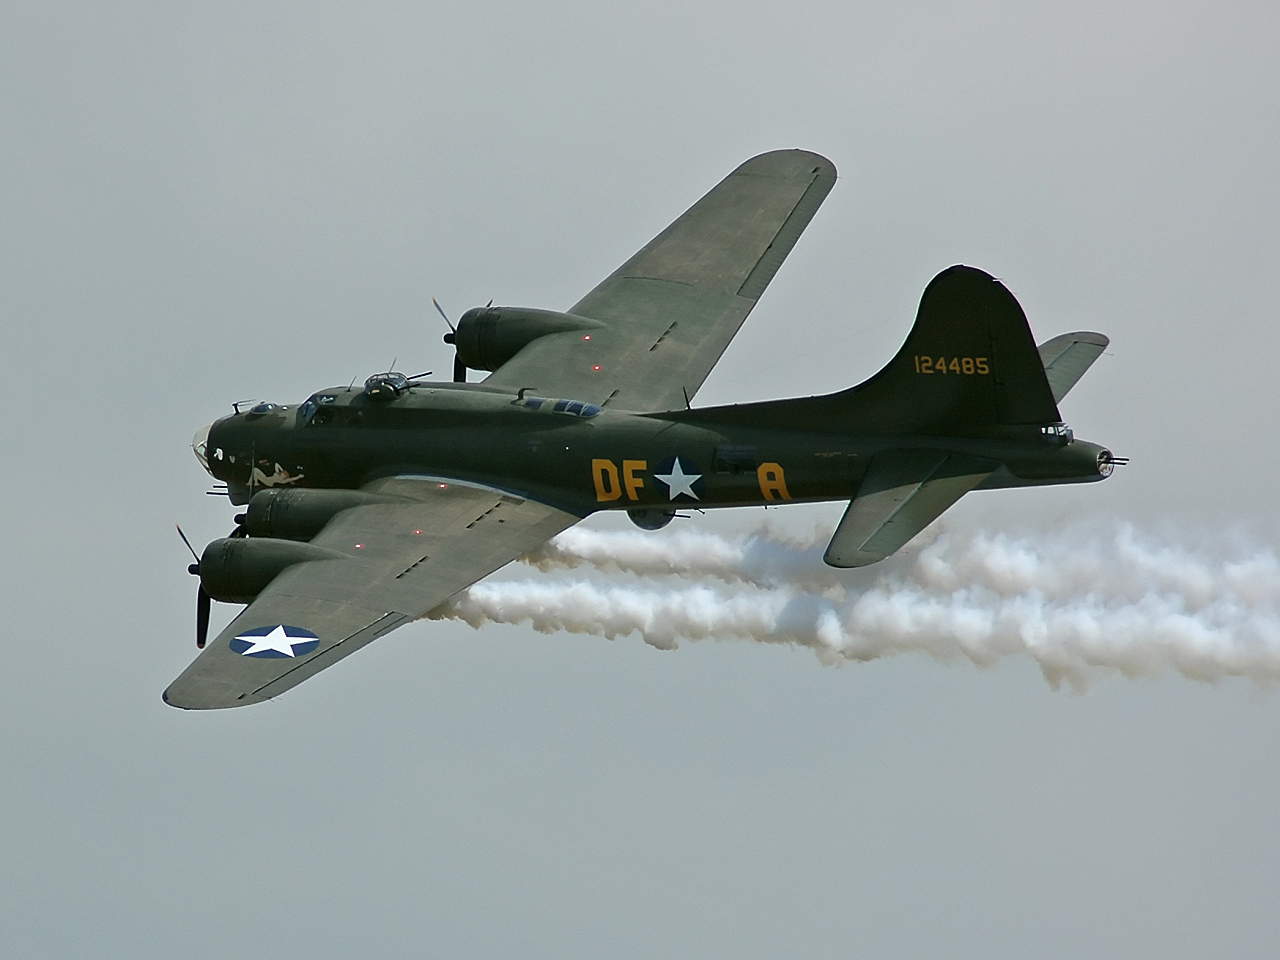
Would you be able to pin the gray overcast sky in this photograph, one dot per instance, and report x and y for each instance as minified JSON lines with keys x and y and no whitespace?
{"x":203,"y":205}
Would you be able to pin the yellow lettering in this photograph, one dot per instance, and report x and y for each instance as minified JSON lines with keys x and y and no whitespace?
{"x":634,"y":484}
{"x":605,"y":474}
{"x":962,"y":365}
{"x":773,"y":482}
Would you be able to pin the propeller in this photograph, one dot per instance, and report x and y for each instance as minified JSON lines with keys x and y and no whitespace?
{"x":202,"y":617}
{"x":459,"y":368}
{"x":202,"y":599}
{"x":444,"y":316}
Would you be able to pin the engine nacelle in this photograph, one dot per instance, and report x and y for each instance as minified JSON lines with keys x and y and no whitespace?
{"x":299,"y":514}
{"x":487,"y":337}
{"x":651,"y":518}
{"x":237,"y":569}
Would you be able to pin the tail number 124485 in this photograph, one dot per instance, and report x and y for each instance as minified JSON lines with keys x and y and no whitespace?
{"x":960,"y":365}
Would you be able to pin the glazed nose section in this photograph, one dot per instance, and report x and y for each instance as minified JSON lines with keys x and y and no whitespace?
{"x":200,"y":445}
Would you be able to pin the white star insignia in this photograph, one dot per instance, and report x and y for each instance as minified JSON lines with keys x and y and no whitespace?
{"x":678,"y":481}
{"x":276,"y":640}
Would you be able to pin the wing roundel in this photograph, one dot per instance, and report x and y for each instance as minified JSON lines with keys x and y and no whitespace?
{"x":416,"y":543}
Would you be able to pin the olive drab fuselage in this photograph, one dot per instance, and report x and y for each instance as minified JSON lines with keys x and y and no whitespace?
{"x":369,"y":507}
{"x":582,"y":458}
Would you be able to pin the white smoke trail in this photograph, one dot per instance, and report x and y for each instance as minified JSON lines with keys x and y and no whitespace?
{"x":1078,"y":601}
{"x":761,"y":557}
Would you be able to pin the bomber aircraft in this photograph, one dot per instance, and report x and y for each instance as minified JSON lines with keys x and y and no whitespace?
{"x":369,"y":506}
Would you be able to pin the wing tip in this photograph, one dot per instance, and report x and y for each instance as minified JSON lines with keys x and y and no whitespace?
{"x":205,"y":697}
{"x":792,"y":164}
{"x":1091,"y":337}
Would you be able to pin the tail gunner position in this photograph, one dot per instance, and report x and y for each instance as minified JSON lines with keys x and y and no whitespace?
{"x":368,"y":507}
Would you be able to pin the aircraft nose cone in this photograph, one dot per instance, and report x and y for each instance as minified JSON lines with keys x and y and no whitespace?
{"x":200,"y":444}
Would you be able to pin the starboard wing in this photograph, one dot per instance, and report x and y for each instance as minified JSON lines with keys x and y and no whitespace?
{"x":400,"y":560}
{"x":672,"y":309}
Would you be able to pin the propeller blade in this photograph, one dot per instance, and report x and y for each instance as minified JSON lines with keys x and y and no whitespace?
{"x":445,"y":316}
{"x":459,"y":370}
{"x":202,"y":617}
{"x":187,"y":542}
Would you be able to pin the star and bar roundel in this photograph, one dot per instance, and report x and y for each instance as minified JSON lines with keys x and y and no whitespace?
{"x":681,"y":478}
{"x":275,"y":642}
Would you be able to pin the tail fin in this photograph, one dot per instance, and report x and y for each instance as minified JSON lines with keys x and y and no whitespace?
{"x":969,"y":364}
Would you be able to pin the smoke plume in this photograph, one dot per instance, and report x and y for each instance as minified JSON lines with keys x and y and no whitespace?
{"x":1080,"y":601}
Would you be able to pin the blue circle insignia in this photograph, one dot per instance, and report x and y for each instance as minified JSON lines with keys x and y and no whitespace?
{"x":276,"y":641}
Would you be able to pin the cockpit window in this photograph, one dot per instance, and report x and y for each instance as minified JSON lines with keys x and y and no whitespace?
{"x":576,"y":408}
{"x":307,"y":412}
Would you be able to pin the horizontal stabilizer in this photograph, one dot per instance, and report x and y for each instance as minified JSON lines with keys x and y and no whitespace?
{"x":902,"y":492}
{"x":1066,"y":358}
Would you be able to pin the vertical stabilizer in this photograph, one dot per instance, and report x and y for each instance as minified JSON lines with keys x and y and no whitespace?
{"x":969,"y":362}
{"x":969,"y":365}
